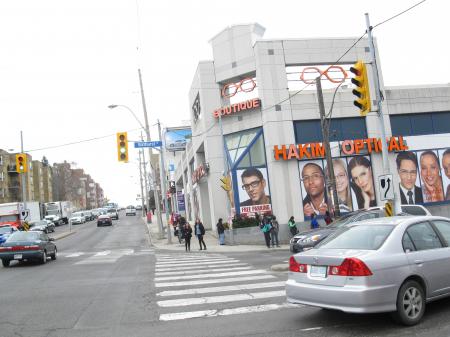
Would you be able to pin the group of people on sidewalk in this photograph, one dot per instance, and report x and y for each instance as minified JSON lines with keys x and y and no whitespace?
{"x":183,"y":230}
{"x":270,"y":228}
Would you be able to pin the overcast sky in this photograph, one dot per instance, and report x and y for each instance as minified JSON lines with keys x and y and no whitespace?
{"x":64,"y":61}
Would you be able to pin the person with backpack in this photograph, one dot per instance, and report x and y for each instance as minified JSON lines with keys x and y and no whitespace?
{"x":266,"y":227}
{"x":200,"y":232}
{"x":292,"y":226}
{"x":274,"y":232}
{"x":221,"y":232}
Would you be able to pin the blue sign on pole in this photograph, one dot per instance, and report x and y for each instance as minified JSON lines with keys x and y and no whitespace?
{"x":156,"y":143}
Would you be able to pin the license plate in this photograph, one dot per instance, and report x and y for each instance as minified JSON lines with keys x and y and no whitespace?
{"x":318,"y":271}
{"x":17,"y":256}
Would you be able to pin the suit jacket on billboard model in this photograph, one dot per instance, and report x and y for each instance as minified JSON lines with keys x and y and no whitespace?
{"x":418,"y":196}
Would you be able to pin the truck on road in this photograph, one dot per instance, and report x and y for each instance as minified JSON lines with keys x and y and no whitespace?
{"x":58,"y":211}
{"x":16,"y":213}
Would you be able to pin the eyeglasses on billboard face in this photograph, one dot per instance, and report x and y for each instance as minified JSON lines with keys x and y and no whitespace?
{"x":405,"y":173}
{"x":253,"y":184}
{"x":312,"y":177}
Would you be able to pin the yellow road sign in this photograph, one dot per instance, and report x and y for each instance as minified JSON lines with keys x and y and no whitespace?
{"x":388,"y":209}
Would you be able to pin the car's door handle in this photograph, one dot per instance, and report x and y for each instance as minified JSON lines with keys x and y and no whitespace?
{"x":418,"y":261}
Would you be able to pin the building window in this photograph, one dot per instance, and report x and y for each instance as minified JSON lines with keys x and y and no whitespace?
{"x":237,"y":143}
{"x":1,"y":160}
{"x":420,"y":123}
{"x":309,"y":131}
{"x":196,"y":109}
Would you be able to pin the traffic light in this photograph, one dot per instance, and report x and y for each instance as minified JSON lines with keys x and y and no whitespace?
{"x":122,"y":147}
{"x":21,"y":163}
{"x":226,"y":183}
{"x":362,"y":92}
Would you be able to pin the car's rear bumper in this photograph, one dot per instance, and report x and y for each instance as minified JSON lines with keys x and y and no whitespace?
{"x":24,"y":255}
{"x":353,"y":299}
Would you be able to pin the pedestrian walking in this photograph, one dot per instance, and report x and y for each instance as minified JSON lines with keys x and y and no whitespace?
{"x":274,"y":232}
{"x":292,"y":226}
{"x":221,"y":232}
{"x":314,"y":222}
{"x":328,"y":218}
{"x":187,"y":236}
{"x":265,"y":228}
{"x":200,"y":232}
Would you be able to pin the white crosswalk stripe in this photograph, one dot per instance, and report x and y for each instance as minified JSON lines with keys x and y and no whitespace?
{"x":183,"y":281}
{"x":104,"y":256}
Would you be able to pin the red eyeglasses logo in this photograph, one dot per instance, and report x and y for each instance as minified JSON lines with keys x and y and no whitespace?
{"x":326,"y":73}
{"x":245,"y":85}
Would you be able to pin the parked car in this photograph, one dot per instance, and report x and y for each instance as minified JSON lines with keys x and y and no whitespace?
{"x":27,"y":246}
{"x":130,"y":210}
{"x":5,"y":232}
{"x":395,"y":264}
{"x":77,"y":218}
{"x":55,"y":219}
{"x":43,"y":226}
{"x":104,"y":220}
{"x":113,"y":213}
{"x":308,"y":239}
{"x":88,"y":215}
{"x":138,"y":208}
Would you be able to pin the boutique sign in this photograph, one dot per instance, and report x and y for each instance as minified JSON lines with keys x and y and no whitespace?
{"x":347,"y":147}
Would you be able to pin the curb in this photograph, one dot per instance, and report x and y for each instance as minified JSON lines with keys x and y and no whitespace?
{"x":280,"y":267}
{"x":64,"y":235}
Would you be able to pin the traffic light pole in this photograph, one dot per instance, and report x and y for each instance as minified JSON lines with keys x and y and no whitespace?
{"x":162,"y":172}
{"x":24,"y":188}
{"x":325,"y":124}
{"x":384,"y":149}
{"x":140,"y":180}
{"x":147,"y":131}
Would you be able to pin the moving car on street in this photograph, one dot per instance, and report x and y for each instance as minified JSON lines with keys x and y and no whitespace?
{"x":308,"y":239}
{"x":113,"y":213}
{"x":31,"y":245}
{"x":104,"y":220}
{"x":130,"y":210}
{"x":393,"y":264}
{"x":77,"y":218}
{"x":42,"y":225}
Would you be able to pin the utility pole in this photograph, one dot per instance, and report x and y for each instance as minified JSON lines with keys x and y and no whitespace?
{"x":379,"y":98}
{"x":162,"y":172}
{"x":140,"y":179}
{"x":24,"y":188}
{"x":147,"y":193}
{"x":147,"y":131}
{"x":325,"y":124}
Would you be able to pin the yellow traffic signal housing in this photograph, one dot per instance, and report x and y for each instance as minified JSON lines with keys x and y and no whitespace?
{"x":226,"y":183}
{"x":362,"y":92}
{"x":21,"y":163}
{"x":122,"y":147}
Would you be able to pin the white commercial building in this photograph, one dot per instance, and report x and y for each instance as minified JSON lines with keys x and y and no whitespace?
{"x":266,"y":97}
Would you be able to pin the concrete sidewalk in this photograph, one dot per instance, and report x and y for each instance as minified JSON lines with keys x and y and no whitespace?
{"x":212,"y":243}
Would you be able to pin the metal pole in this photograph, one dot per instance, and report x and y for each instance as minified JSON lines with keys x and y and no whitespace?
{"x":24,"y":188}
{"x":147,"y":131}
{"x":225,"y":172}
{"x":379,"y":98}
{"x":147,"y":193}
{"x":325,"y":124}
{"x":140,"y":180}
{"x":162,"y":172}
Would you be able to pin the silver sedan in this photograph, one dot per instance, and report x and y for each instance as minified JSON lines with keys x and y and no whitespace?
{"x":393,"y":264}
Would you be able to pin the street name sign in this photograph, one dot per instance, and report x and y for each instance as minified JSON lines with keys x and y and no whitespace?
{"x":156,"y":143}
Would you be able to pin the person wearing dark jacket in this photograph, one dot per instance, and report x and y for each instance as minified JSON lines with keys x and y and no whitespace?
{"x":221,"y":232}
{"x":187,"y":236}
{"x":200,"y":232}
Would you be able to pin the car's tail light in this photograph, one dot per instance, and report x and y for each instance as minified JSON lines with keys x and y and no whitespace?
{"x":351,"y":266}
{"x":33,"y":247}
{"x":4,"y":249}
{"x":297,"y":267}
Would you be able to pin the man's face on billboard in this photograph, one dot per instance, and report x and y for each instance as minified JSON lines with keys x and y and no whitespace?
{"x":313,"y":180}
{"x":254,"y":187}
{"x":408,"y":173}
{"x":446,"y":165}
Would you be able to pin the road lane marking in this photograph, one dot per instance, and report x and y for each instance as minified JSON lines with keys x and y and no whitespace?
{"x":212,"y":281}
{"x":192,"y":261}
{"x":213,"y":275}
{"x":225,"y":312}
{"x":196,"y":263}
{"x":104,"y":253}
{"x":75,"y":254}
{"x":187,"y":272}
{"x":196,"y":291}
{"x":200,"y":267}
{"x":106,"y":256}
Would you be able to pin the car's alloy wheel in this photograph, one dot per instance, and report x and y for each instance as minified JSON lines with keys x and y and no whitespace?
{"x":44,"y":257}
{"x":53,"y":256}
{"x":5,"y":263}
{"x":410,"y":303}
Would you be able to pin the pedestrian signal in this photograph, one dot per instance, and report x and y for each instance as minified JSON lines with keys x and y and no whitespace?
{"x":122,"y":147}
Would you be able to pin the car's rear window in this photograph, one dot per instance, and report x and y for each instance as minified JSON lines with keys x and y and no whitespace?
{"x":366,"y":237}
{"x":413,"y":210}
{"x":23,"y":236}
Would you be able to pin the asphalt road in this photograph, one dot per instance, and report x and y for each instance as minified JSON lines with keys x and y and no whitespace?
{"x":109,"y":281}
